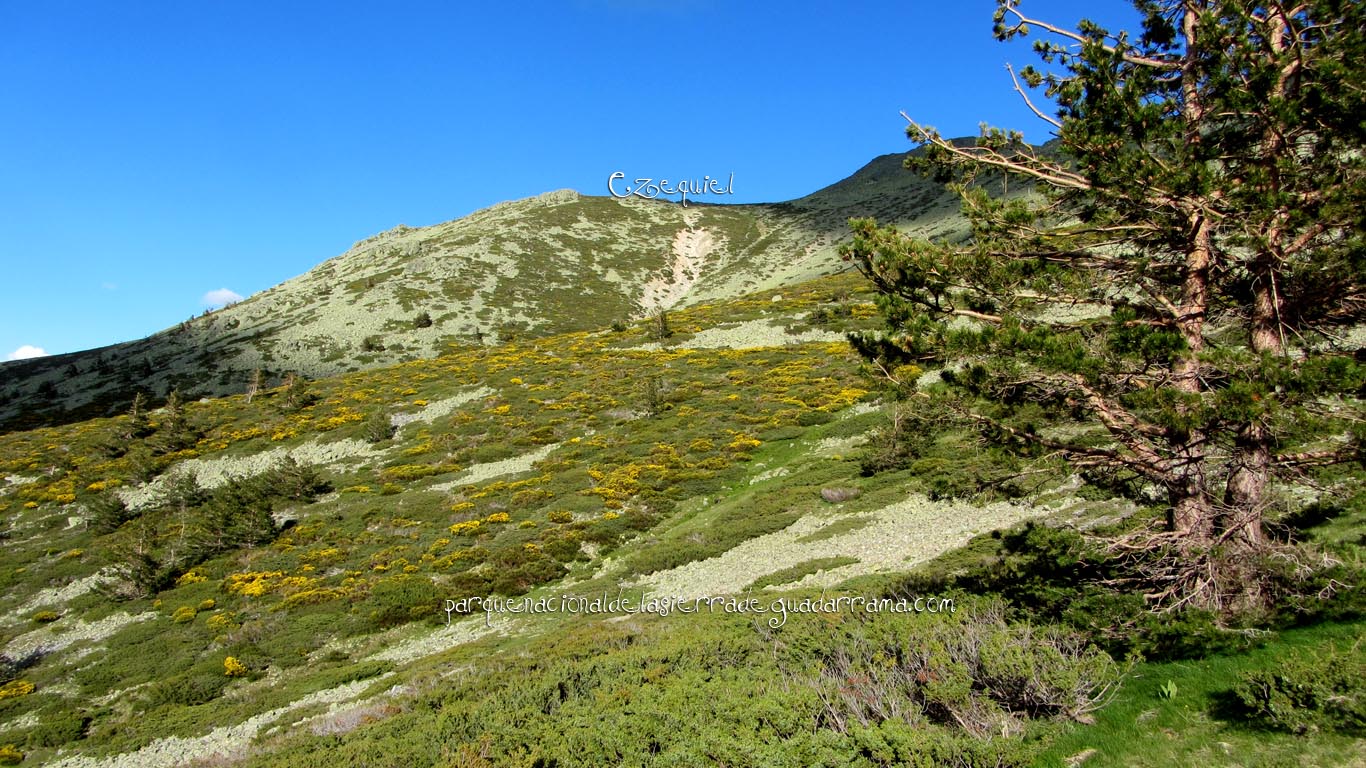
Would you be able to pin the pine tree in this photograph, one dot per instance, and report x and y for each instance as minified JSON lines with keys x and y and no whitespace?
{"x":297,"y":394}
{"x":659,"y":325}
{"x":254,"y":384}
{"x":139,"y":426}
{"x":1200,"y":218}
{"x":106,"y":512}
{"x":176,"y":432}
{"x":379,"y":427}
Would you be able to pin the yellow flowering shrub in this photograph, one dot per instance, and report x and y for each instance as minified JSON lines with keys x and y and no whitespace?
{"x":10,"y":755}
{"x":466,"y":527}
{"x":324,"y":555}
{"x":207,"y":605}
{"x":342,"y":418}
{"x":220,"y":622}
{"x":253,"y":583}
{"x":418,"y":471}
{"x":183,"y":615}
{"x":529,"y":496}
{"x":15,"y":688}
{"x":742,"y":442}
{"x":497,"y":517}
{"x":234,"y":668}
{"x":711,"y":463}
{"x":314,"y":596}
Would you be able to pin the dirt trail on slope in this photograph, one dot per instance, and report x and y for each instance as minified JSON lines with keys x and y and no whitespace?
{"x":691,"y":248}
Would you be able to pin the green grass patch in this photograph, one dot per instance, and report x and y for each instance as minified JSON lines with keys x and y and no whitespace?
{"x":1185,"y":713}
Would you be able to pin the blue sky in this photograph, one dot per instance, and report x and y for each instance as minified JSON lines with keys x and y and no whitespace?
{"x":154,"y":152}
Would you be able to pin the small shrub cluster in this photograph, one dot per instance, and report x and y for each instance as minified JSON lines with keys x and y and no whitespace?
{"x":977,"y":672}
{"x":379,"y":427}
{"x":403,"y":599}
{"x":233,"y":667}
{"x":1308,"y":691}
{"x":15,"y":688}
{"x":58,"y":726}
{"x":186,"y":690}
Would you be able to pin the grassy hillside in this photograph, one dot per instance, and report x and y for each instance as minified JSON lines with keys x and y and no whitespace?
{"x":546,"y":265}
{"x":152,"y":614}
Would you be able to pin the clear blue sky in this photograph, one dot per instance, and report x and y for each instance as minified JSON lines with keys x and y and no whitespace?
{"x":152,"y":152}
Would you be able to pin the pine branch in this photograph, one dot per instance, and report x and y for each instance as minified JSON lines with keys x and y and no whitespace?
{"x":1049,"y":173}
{"x":1128,"y":55}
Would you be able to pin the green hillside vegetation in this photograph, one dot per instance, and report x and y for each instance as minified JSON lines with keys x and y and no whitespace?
{"x":1070,"y":476}
{"x":415,"y":293}
{"x":271,"y":575}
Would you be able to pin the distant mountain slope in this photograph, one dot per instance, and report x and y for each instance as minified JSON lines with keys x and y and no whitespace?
{"x":553,"y":263}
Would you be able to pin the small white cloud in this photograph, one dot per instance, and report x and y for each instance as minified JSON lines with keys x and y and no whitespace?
{"x":26,"y":352}
{"x":220,"y":298}
{"x":109,"y":286}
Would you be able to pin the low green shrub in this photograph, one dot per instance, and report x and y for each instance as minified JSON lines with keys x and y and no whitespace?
{"x":379,"y":427}
{"x":186,"y":690}
{"x":972,"y":670}
{"x":402,"y":599}
{"x":1308,"y":691}
{"x":57,"y":726}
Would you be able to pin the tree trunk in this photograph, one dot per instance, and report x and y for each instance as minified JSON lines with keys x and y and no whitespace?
{"x":1250,"y":464}
{"x":1190,"y":514}
{"x":1241,"y":516}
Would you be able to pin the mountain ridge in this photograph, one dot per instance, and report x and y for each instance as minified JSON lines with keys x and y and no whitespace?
{"x":555,"y":262}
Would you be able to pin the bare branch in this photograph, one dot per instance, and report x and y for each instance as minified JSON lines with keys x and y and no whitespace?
{"x":1047,"y":172}
{"x":1029,"y":103}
